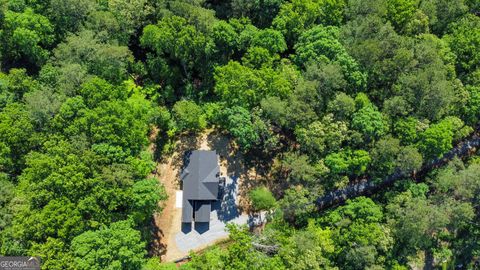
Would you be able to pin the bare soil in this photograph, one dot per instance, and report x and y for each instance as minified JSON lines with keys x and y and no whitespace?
{"x":168,"y":223}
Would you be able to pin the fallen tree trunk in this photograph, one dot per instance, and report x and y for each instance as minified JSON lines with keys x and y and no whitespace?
{"x":269,"y":250}
{"x":183,"y":259}
{"x":366,"y":187}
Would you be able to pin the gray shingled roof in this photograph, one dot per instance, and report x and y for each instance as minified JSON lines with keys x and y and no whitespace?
{"x":202,"y":211}
{"x":201,"y":175}
{"x":187,"y":211}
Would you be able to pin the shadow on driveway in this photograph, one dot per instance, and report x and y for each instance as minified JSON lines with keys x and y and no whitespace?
{"x":227,"y":208}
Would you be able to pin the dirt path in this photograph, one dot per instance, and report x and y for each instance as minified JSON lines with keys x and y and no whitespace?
{"x":168,"y":222}
{"x":170,"y":217}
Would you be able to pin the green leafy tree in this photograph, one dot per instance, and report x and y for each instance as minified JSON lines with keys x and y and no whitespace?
{"x":189,"y":116}
{"x":471,"y":111}
{"x":42,"y":105}
{"x":348,"y":162}
{"x":214,"y":258}
{"x":428,"y":92}
{"x":378,"y":49}
{"x":438,"y":138}
{"x":113,"y":123}
{"x":464,"y":39}
{"x":68,"y":16}
{"x":131,"y":15}
{"x":322,"y":137}
{"x":384,"y":155}
{"x":418,"y":24}
{"x":456,"y":181}
{"x":328,"y":79}
{"x":175,"y":40}
{"x":66,"y":78}
{"x":155,"y":264}
{"x":296,"y":205}
{"x":195,"y":12}
{"x":311,"y":248}
{"x":145,"y":196}
{"x":16,"y":135}
{"x":474,"y":6}
{"x":297,"y":169}
{"x":258,"y":57}
{"x":58,"y":219}
{"x":400,"y":12}
{"x":362,"y":240}
{"x":298,"y":16}
{"x":106,"y":25}
{"x":409,"y":160}
{"x":270,"y":39}
{"x":54,"y":253}
{"x":97,"y":90}
{"x":240,"y":85}
{"x":239,"y":255}
{"x":14,"y":85}
{"x":99,"y":57}
{"x":262,"y":199}
{"x":407,"y":129}
{"x":226,"y":40}
{"x":369,"y":121}
{"x":356,"y":9}
{"x":117,"y":246}
{"x":321,"y":44}
{"x":460,"y":182}
{"x":396,"y":107}
{"x":261,"y":12}
{"x":239,"y":123}
{"x":442,"y":12}
{"x":7,"y":190}
{"x":26,"y":36}
{"x":68,"y":189}
{"x":342,"y":106}
{"x":419,"y":223}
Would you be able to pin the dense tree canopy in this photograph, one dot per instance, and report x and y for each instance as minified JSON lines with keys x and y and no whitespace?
{"x":115,"y":247}
{"x":262,"y":199}
{"x":26,"y":36}
{"x":315,"y":95}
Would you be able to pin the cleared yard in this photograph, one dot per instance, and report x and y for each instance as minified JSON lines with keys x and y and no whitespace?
{"x":174,"y":240}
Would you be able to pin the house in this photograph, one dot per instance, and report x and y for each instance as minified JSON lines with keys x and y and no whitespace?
{"x":200,"y":177}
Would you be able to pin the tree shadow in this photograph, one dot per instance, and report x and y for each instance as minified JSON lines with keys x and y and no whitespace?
{"x":238,"y":168}
{"x":228,"y":153}
{"x":159,"y":142}
{"x":180,"y":156}
{"x":226,"y":207}
{"x":155,"y":246}
{"x":187,"y":142}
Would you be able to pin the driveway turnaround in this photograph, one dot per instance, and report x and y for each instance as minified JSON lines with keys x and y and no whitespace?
{"x":195,"y":235}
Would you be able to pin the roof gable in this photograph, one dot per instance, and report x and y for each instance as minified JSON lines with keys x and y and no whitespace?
{"x":200,"y":176}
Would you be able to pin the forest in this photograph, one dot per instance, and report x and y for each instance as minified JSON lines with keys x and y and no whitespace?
{"x":319,"y":94}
